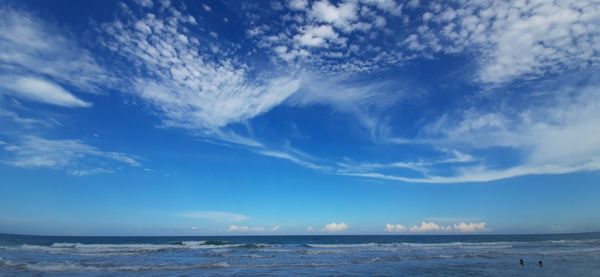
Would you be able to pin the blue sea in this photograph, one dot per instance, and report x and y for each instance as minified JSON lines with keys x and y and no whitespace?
{"x":449,"y":255}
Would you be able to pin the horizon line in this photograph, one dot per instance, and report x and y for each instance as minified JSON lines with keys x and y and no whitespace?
{"x":309,"y":235}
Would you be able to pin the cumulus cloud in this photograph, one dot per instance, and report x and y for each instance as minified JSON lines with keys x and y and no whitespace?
{"x":318,"y":36}
{"x":427,"y":227}
{"x":392,"y":228}
{"x":469,"y":227}
{"x":335,"y":227}
{"x":298,"y":4}
{"x":216,"y":216}
{"x":432,"y":227}
{"x":78,"y":158}
{"x":341,"y":15}
{"x":145,"y":3}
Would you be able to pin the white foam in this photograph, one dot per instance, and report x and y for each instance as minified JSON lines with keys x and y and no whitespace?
{"x":72,"y":267}
{"x":122,"y":249}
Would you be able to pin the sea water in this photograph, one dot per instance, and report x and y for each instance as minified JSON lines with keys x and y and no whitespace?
{"x":448,"y":255}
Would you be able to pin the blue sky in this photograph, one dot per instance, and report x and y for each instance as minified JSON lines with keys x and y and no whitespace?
{"x":299,"y":117}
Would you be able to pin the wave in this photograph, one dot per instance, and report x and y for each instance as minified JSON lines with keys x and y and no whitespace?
{"x":350,"y":245}
{"x":374,"y":245}
{"x":315,"y":249}
{"x":132,"y":249}
{"x":73,"y":267}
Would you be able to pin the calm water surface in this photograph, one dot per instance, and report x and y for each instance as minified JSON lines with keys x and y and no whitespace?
{"x":490,"y":255}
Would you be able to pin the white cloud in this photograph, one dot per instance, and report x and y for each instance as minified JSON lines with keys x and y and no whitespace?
{"x":515,"y":39}
{"x":389,"y":6}
{"x":250,"y":229}
{"x":32,"y":48}
{"x":294,"y":157}
{"x":24,"y":121}
{"x":542,"y":132}
{"x":507,"y":40}
{"x":88,"y":172}
{"x":340,"y":16}
{"x":431,"y":227}
{"x":194,"y":82}
{"x":298,"y":4}
{"x":145,"y":3}
{"x":77,"y":157}
{"x":427,"y":227}
{"x":44,"y":91}
{"x":318,"y":36}
{"x":537,"y":133}
{"x":330,"y":37}
{"x":335,"y":227}
{"x":367,"y":102}
{"x":310,"y":228}
{"x":245,"y":229}
{"x":206,"y":7}
{"x":469,"y":227}
{"x":392,"y":228}
{"x":216,"y":216}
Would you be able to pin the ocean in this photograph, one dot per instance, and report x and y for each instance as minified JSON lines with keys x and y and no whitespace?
{"x":431,"y":255}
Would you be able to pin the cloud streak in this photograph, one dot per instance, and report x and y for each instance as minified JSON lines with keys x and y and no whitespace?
{"x":78,"y":158}
{"x":41,"y":55}
{"x":250,"y":229}
{"x":44,"y":91}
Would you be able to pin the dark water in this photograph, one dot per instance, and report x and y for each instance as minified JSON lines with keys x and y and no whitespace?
{"x":490,"y":255}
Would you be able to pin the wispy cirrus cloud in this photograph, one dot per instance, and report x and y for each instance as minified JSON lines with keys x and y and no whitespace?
{"x":42,"y":57}
{"x":44,"y":91}
{"x":77,"y":157}
{"x":192,"y":79}
{"x":44,"y":63}
{"x":252,"y":229}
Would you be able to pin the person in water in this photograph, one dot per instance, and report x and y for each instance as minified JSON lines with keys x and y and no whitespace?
{"x":540,"y":263}
{"x":521,"y":262}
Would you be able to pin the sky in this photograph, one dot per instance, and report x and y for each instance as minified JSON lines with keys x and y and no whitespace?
{"x":277,"y":117}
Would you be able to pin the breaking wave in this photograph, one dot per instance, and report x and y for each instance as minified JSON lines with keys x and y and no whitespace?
{"x":68,"y":266}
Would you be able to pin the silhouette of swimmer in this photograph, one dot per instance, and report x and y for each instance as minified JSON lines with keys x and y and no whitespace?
{"x":540,"y":263}
{"x":521,"y":262}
